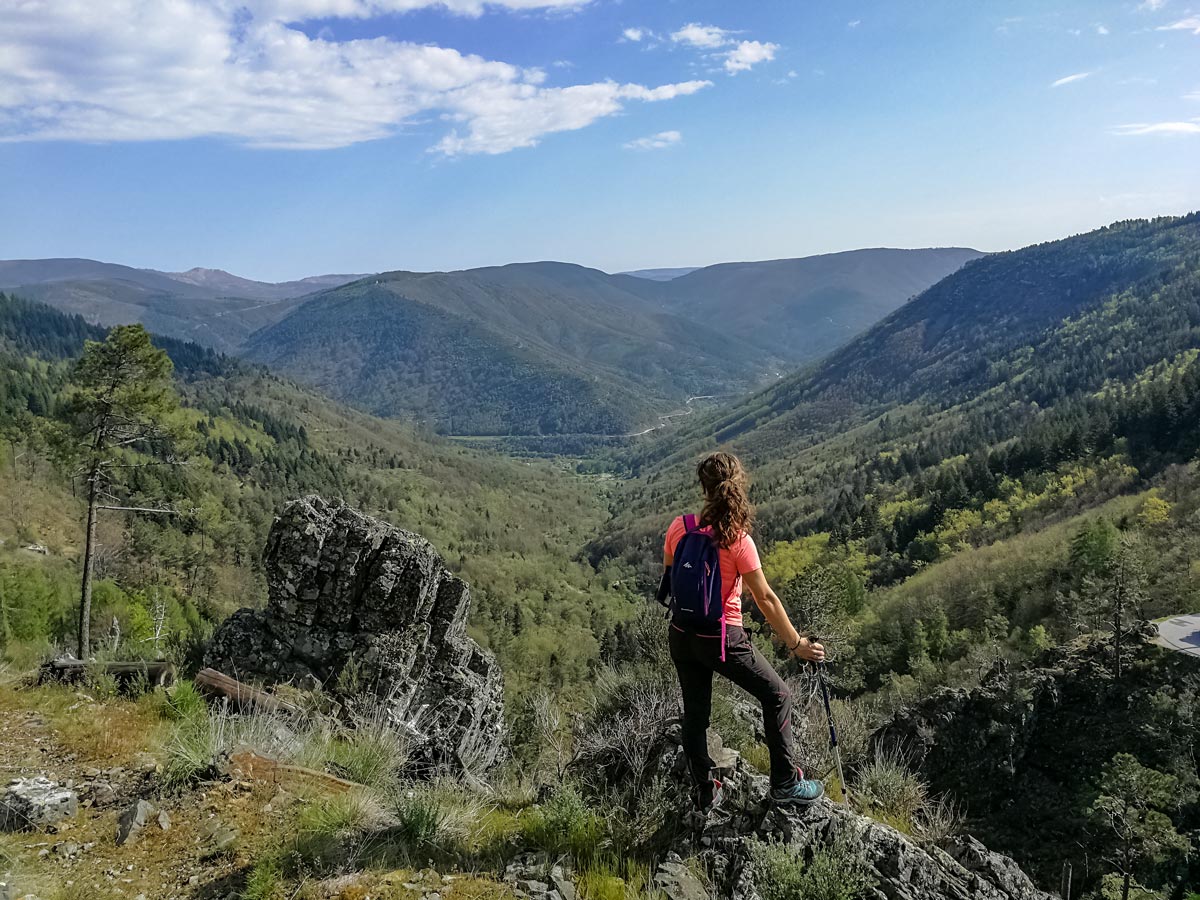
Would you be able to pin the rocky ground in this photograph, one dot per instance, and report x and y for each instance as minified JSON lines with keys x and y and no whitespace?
{"x":125,"y":839}
{"x":186,"y":847}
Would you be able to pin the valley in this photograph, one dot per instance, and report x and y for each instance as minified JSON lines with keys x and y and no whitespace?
{"x":960,"y":489}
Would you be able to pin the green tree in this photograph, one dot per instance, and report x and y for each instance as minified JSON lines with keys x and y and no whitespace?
{"x":818,"y":600}
{"x":123,"y":402}
{"x":1131,"y":810}
{"x":1093,"y":548}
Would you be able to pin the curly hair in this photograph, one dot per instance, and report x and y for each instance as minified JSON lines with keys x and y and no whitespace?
{"x":727,"y":506}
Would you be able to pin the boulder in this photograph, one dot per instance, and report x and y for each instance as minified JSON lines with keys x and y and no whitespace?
{"x":367,"y":610}
{"x":133,"y":821}
{"x":31,"y":804}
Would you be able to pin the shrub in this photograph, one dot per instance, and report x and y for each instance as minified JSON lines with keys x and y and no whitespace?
{"x":565,"y":826}
{"x":836,"y":871}
{"x":620,"y":738}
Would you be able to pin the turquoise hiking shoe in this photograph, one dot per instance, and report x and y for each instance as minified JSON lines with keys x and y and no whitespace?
{"x":801,"y":793}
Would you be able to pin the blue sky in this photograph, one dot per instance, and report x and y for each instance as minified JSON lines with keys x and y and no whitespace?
{"x":281,"y":138}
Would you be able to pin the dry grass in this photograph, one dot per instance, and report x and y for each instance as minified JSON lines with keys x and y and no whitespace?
{"x":103,"y":733}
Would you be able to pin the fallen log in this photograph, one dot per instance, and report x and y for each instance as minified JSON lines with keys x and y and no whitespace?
{"x":242,"y":697}
{"x":257,"y":767}
{"x":157,"y":673}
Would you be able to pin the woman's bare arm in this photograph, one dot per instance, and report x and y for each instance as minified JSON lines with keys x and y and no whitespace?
{"x":772,"y":609}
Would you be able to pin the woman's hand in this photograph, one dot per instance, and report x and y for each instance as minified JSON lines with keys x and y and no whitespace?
{"x":810,"y":651}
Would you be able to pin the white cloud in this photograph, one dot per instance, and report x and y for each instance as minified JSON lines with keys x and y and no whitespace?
{"x":133,"y":70}
{"x":1152,"y":5}
{"x":1192,"y":127}
{"x":707,"y":36}
{"x":659,"y":141}
{"x":1191,"y":24}
{"x":854,"y":23}
{"x":634,"y":34}
{"x":1071,"y":79}
{"x":1102,"y":30}
{"x":740,"y":56}
{"x":498,"y":119}
{"x":747,"y":54}
{"x":306,"y":10}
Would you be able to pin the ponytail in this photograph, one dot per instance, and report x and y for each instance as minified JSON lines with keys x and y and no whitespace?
{"x":727,"y":506}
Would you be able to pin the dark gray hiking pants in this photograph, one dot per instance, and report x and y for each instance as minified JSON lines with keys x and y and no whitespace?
{"x":696,"y":658}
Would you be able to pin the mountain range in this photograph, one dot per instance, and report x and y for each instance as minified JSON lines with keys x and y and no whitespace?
{"x":529,"y":348}
{"x":208,"y":306}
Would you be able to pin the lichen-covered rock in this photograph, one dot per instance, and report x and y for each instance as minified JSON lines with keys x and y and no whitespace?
{"x":361,"y":607}
{"x":30,"y":804}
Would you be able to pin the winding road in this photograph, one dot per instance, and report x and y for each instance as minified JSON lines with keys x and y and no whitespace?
{"x":1181,"y":633}
{"x":665,"y":420}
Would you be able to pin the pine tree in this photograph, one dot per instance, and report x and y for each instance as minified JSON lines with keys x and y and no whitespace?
{"x":123,"y":401}
{"x":1131,"y":809}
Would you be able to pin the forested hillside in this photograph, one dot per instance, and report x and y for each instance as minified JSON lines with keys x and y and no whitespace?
{"x":254,"y":442}
{"x":1027,"y":388}
{"x":543,"y":348}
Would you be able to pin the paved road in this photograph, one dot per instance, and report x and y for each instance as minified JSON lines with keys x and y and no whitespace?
{"x":1181,"y":633}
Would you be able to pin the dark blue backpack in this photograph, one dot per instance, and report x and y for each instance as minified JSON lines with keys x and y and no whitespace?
{"x":696,"y":603}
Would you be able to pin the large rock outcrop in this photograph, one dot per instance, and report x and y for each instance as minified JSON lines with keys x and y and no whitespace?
{"x":361,"y":607}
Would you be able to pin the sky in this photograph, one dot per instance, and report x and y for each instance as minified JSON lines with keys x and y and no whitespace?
{"x":284,"y":138}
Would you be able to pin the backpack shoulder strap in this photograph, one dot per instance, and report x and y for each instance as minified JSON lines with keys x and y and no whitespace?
{"x":689,"y":523}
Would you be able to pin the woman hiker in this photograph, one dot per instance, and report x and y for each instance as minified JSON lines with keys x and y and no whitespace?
{"x":708,"y":559}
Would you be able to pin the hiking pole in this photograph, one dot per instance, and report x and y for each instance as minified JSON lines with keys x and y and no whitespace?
{"x":833,"y":738}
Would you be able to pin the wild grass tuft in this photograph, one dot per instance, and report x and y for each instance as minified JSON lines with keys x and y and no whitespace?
{"x":940,"y":820}
{"x":368,"y":750}
{"x":420,"y":821}
{"x":341,"y":814}
{"x":183,"y":703}
{"x":888,"y":791}
{"x":613,"y":880}
{"x":266,"y":881}
{"x":197,"y":744}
